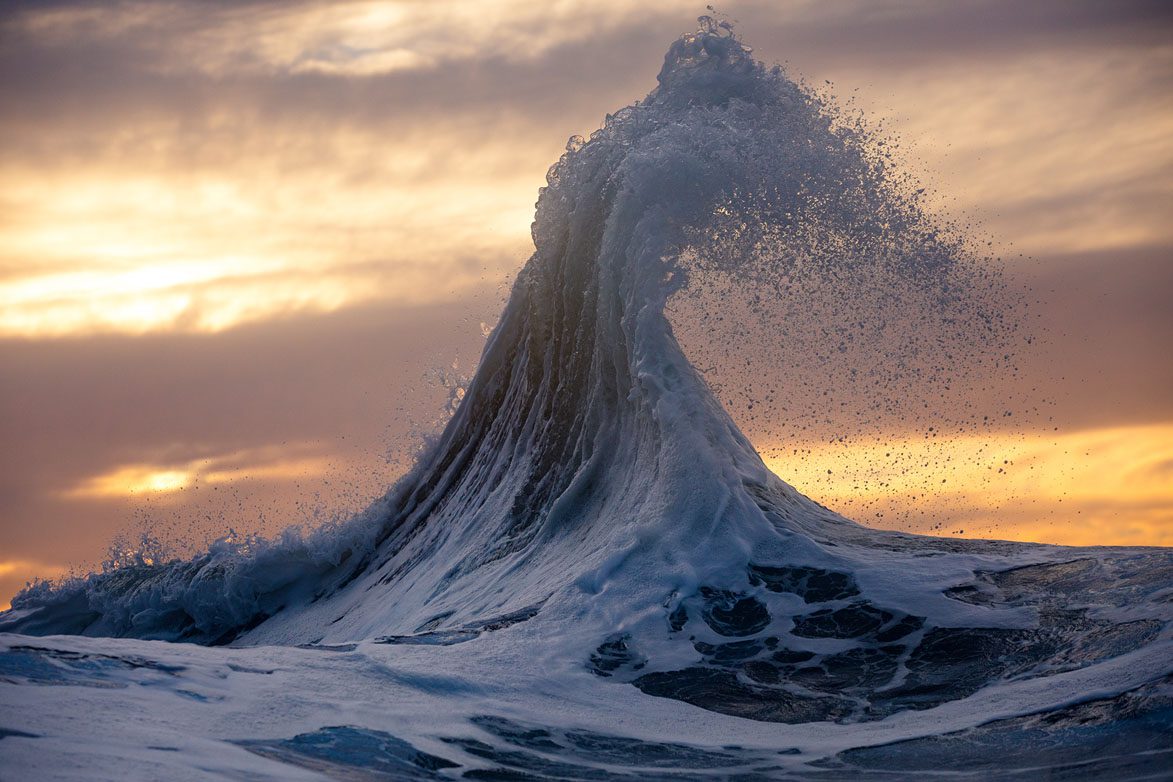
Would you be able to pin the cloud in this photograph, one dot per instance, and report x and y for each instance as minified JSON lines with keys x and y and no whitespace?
{"x":11,"y":566}
{"x":358,"y":38}
{"x":895,"y":34}
{"x":162,"y":163}
{"x":317,"y":223}
{"x":293,"y":419}
{"x":171,"y":167}
{"x":1054,"y":153}
{"x":287,"y":462}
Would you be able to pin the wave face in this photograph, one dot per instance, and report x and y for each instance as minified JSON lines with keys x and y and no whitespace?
{"x":591,"y":493}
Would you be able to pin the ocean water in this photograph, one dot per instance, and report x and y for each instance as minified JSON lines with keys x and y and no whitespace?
{"x":591,"y":574}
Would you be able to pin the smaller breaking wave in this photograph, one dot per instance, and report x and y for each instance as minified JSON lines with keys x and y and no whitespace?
{"x":209,"y":598}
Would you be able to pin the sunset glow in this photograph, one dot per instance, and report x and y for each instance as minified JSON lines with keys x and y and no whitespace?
{"x":20,"y":571}
{"x":126,"y":481}
{"x":184,"y":252}
{"x":232,"y":236}
{"x":748,"y":390}
{"x":151,"y":217}
{"x":1097,"y":487}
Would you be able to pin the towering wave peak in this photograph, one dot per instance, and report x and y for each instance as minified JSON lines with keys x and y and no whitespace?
{"x":584,"y":427}
{"x":709,"y":67}
{"x":590,"y":487}
{"x":587,"y":453}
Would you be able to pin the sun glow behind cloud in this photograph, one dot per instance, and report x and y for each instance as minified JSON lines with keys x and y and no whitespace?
{"x":163,"y":480}
{"x":96,"y":249}
{"x":358,"y":38}
{"x":180,"y":504}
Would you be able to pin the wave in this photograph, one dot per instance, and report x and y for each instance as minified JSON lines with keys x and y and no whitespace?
{"x":590,"y":484}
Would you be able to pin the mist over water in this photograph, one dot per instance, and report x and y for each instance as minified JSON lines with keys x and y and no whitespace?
{"x":859,"y":322}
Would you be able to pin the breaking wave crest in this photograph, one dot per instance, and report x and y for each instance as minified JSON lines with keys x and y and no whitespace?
{"x":591,"y":487}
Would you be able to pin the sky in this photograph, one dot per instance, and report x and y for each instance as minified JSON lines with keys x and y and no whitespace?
{"x":247,"y":249}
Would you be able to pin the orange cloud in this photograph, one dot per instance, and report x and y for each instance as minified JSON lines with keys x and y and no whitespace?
{"x":218,"y":187}
{"x":354,"y":37}
{"x":103,"y":249}
{"x":163,"y":479}
{"x":1052,"y":151}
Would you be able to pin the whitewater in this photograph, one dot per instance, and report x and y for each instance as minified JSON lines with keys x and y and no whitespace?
{"x":591,"y":573}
